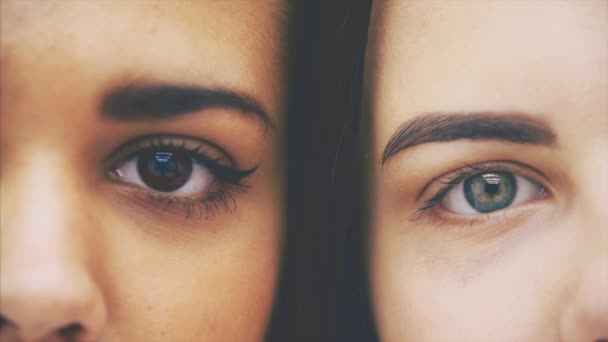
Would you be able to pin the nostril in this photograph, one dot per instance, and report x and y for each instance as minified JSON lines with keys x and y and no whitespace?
{"x":601,"y":340}
{"x":5,"y":322}
{"x":70,"y":331}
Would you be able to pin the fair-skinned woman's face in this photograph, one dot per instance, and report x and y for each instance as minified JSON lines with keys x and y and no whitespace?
{"x":140,"y":173}
{"x":490,"y":140}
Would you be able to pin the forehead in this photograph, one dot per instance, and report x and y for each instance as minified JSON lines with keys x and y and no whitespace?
{"x":56,"y":20}
{"x":187,"y":12}
{"x":220,"y":42}
{"x":548,"y":57}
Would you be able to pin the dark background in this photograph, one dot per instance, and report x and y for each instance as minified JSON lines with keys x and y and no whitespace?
{"x":322,"y":293}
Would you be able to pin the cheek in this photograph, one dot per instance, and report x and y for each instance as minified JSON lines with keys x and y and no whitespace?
{"x":212,"y":285}
{"x":428,"y":288}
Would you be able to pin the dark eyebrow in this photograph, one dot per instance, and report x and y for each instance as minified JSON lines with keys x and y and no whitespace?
{"x":152,"y":102}
{"x":442,"y":127}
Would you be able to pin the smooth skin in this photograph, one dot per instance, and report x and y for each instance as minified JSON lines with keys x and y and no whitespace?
{"x":535,"y":271}
{"x":82,"y":257}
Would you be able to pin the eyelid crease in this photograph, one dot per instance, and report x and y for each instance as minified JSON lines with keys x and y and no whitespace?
{"x":480,"y":167}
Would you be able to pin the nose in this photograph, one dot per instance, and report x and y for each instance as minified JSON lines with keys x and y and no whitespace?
{"x":48,"y":289}
{"x":586,"y":317}
{"x":50,"y":303}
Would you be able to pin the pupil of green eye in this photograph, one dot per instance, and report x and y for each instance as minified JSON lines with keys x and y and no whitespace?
{"x":164,"y":171}
{"x":492,"y":188}
{"x":487,"y":192}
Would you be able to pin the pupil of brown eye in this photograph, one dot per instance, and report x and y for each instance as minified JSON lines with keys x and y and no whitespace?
{"x":164,"y":171}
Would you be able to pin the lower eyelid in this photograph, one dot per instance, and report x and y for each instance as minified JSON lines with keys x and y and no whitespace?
{"x":490,"y":224}
{"x":156,"y":210}
{"x":199,"y":206}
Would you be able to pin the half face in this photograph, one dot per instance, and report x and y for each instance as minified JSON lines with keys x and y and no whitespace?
{"x":490,"y":136}
{"x":141,"y":187}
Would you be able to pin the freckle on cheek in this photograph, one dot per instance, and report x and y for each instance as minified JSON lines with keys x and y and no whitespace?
{"x":464,"y":279}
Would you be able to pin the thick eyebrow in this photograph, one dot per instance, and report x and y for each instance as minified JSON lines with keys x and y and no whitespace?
{"x":517,"y":128}
{"x":160,"y":101}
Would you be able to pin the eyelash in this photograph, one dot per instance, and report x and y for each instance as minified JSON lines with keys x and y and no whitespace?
{"x":455,"y":177}
{"x":227,"y":178}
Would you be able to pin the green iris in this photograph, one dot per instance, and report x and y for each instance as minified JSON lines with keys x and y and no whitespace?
{"x":491,"y":191}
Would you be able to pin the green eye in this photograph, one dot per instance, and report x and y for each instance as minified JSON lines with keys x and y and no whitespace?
{"x":489,"y":192}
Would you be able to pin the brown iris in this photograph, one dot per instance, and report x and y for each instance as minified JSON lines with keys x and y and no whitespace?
{"x":164,"y":171}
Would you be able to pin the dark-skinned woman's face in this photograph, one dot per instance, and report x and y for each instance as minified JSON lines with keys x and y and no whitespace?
{"x":141,"y":186}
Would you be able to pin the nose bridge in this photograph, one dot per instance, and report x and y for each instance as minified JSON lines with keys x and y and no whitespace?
{"x":592,"y":171}
{"x":46,"y":282}
{"x":593,"y":212}
{"x":586,"y":315}
{"x":40,"y":200}
{"x":594,"y":289}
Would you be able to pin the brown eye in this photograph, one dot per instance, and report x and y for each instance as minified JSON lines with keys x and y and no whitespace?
{"x":164,"y":171}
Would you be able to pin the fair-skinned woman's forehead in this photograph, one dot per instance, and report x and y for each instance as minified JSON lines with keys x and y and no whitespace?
{"x":545,"y":58}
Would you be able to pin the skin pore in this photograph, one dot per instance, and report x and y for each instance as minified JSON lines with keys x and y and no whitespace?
{"x":100,"y":101}
{"x":515,"y":91}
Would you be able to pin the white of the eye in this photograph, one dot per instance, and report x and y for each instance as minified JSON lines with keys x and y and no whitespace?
{"x":526,"y":190}
{"x":199,"y":180}
{"x":455,"y":200}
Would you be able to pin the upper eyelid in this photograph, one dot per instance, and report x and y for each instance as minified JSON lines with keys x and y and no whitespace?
{"x":129,"y":148}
